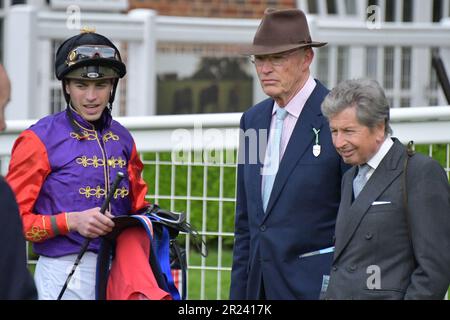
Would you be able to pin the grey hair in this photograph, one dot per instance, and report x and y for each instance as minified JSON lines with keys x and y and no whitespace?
{"x":372,"y":107}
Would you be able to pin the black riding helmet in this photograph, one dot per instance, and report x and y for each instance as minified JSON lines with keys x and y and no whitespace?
{"x":89,"y":56}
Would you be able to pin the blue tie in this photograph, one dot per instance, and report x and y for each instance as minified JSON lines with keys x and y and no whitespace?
{"x":272,"y":160}
{"x":360,"y":179}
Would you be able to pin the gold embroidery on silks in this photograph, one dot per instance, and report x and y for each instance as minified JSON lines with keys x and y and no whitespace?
{"x":109,"y":135}
{"x":92,"y":192}
{"x":113,"y":162}
{"x":99,"y":192}
{"x":36,"y":234}
{"x":85,"y":135}
{"x":94,"y":161}
{"x":122,"y":192}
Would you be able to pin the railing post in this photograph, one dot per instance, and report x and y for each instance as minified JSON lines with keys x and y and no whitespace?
{"x":21,"y":61}
{"x":141,"y":87}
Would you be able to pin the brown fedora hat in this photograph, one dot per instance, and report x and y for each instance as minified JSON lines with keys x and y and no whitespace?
{"x":279,"y":31}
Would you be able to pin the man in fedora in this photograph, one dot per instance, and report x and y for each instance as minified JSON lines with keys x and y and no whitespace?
{"x":287,"y":199}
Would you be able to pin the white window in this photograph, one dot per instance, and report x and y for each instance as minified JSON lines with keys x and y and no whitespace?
{"x":350,"y":7}
{"x":2,"y":19}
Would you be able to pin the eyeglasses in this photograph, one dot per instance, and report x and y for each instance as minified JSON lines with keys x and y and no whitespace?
{"x":275,"y":60}
{"x":90,"y":52}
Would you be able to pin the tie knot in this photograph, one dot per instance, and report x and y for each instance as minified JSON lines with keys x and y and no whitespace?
{"x":281,"y":113}
{"x":363,"y":169}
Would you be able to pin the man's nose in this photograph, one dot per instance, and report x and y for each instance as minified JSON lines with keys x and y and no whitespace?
{"x":266,"y":65}
{"x":338,"y":140}
{"x":91,"y":94}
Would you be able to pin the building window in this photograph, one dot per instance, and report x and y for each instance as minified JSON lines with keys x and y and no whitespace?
{"x":405,"y":102}
{"x":437,"y":10}
{"x":390,"y":10}
{"x":331,"y":7}
{"x":370,"y":4}
{"x":342,"y":64}
{"x":202,"y":78}
{"x":406,"y":68}
{"x":388,"y":82}
{"x":57,"y":101}
{"x":312,"y":7}
{"x":433,"y":77}
{"x":408,"y":10}
{"x":372,"y":62}
{"x":434,"y":86}
{"x":323,"y":65}
{"x":350,"y":7}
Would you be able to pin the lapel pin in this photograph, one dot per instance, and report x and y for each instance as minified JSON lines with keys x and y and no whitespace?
{"x":316,"y":147}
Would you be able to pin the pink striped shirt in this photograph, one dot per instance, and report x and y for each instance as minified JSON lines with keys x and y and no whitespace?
{"x":294,"y":108}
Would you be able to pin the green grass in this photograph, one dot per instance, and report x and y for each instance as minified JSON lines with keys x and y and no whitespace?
{"x":439,"y":152}
{"x":210,"y":277}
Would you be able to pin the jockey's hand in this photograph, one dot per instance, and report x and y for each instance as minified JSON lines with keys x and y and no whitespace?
{"x":90,"y":223}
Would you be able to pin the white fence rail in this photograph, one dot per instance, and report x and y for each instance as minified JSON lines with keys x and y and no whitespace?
{"x":204,"y":185}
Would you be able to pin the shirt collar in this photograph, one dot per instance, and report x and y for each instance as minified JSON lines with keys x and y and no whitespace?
{"x":375,"y":161}
{"x":295,"y":106}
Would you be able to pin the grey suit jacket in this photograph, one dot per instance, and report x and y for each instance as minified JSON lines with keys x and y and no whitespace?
{"x":376,"y":255}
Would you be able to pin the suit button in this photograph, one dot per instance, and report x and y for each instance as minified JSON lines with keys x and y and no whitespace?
{"x":368,"y":236}
{"x":263,"y":228}
{"x":351,"y":268}
{"x":335,"y":268}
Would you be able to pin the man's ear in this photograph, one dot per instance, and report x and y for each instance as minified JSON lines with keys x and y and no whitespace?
{"x":308,"y":57}
{"x":66,"y":86}
{"x":380,"y":129}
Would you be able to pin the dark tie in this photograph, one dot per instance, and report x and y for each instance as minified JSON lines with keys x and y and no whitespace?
{"x":360,"y":179}
{"x":273,"y":157}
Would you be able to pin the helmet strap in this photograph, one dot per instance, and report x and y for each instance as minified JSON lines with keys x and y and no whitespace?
{"x":113,"y":93}
{"x":75,"y":127}
{"x":66,"y":95}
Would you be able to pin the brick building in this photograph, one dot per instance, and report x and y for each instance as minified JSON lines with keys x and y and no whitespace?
{"x":246,"y":9}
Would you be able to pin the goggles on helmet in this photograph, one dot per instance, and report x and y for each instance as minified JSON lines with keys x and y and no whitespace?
{"x":90,"y":52}
{"x":92,"y":73}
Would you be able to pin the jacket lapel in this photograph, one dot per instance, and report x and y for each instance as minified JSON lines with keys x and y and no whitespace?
{"x":302,"y":137}
{"x":350,"y":214}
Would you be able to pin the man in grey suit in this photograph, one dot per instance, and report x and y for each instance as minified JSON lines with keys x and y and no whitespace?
{"x":392,"y":236}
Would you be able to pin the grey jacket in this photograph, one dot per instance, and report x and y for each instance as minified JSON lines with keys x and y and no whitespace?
{"x":381,"y":254}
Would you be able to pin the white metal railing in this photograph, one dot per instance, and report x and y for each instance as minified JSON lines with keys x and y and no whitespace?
{"x":423,"y":125}
{"x":203,"y":184}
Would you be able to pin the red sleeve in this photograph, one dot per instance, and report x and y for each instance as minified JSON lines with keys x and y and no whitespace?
{"x":138,"y":187}
{"x":28,"y":169}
